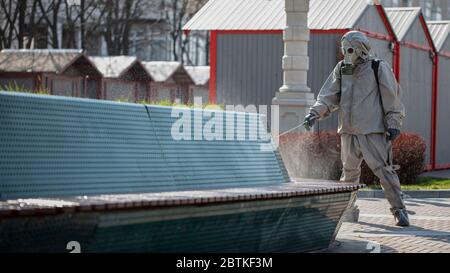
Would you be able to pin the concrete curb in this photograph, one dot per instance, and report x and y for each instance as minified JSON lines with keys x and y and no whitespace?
{"x":408,"y":194}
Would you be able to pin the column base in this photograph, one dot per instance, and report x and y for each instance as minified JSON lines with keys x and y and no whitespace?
{"x":351,"y":215}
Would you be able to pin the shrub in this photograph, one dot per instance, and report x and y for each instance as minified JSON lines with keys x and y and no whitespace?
{"x":317,"y":156}
{"x":409,"y":155}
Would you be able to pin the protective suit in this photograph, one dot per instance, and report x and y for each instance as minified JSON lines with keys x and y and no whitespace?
{"x":370,"y":116}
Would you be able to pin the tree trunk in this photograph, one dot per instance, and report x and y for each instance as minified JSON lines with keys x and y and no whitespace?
{"x":82,"y":23}
{"x":32,"y":25}
{"x":22,"y":6}
{"x":11,"y":21}
{"x":54,"y":26}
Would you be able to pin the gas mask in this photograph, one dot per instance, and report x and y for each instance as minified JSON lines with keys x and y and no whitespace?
{"x":356,"y":50}
{"x":349,"y":52}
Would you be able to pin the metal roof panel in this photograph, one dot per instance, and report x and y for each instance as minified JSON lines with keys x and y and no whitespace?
{"x":440,"y":31}
{"x":113,"y":66}
{"x":402,"y":19}
{"x":270,"y":15}
{"x":36,"y":60}
{"x":200,"y":74}
{"x":161,"y":71}
{"x":239,"y":14}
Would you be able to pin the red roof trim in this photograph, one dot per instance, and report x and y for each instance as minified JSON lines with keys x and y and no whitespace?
{"x":385,"y":20}
{"x":329,"y":31}
{"x":427,"y":32}
{"x":262,"y":31}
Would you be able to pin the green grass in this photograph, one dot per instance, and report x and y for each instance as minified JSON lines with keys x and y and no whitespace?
{"x":166,"y":102}
{"x":14,"y":87}
{"x":422,"y":183}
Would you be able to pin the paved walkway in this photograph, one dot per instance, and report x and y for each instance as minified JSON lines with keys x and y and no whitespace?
{"x":376,"y":232}
{"x":437,"y":174}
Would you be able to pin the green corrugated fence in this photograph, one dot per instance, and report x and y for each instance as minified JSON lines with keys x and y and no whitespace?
{"x":59,"y":146}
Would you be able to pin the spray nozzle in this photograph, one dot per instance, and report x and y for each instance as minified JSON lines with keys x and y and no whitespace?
{"x":309,"y":121}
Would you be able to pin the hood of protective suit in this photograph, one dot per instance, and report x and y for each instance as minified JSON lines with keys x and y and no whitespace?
{"x":359,"y":42}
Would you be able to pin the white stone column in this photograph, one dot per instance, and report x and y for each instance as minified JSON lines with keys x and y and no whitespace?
{"x":295,"y":97}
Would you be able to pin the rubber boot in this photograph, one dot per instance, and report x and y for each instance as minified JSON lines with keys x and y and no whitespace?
{"x":401,"y":217}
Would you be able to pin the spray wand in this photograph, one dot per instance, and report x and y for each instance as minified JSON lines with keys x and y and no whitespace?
{"x":304,"y":124}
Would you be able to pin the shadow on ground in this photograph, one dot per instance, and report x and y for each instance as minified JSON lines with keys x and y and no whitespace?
{"x":351,"y":244}
{"x":357,"y":242}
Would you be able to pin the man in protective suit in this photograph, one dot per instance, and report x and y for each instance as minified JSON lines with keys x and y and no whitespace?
{"x":366,"y":94}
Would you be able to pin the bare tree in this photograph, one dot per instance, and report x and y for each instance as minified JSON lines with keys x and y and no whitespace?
{"x":9,"y":11}
{"x":22,"y":7}
{"x":51,"y":11}
{"x":83,"y":21}
{"x":71,"y":20}
{"x":115,"y":22}
{"x":23,"y":21}
{"x":34,"y":19}
{"x":13,"y":14}
{"x":92,"y":18}
{"x":20,"y":19}
{"x":3,"y":25}
{"x":178,"y":12}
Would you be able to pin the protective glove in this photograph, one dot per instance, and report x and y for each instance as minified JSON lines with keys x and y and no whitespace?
{"x":310,"y":120}
{"x":392,"y":134}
